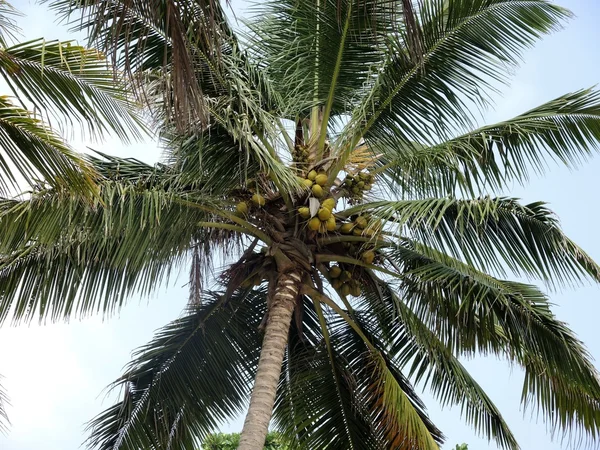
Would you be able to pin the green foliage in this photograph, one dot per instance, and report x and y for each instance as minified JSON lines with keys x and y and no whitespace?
{"x":461,"y":447}
{"x":222,"y":441}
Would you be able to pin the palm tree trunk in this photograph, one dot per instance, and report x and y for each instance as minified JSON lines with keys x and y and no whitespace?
{"x":262,"y":400}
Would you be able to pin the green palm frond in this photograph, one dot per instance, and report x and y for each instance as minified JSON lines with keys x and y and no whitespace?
{"x":325,"y":51}
{"x":315,"y":406}
{"x":62,"y":256}
{"x":467,"y":46}
{"x":8,"y":25}
{"x":161,"y":34}
{"x":71,"y":84}
{"x":189,"y":379}
{"x":490,"y":233}
{"x":413,"y":346}
{"x":473,"y":311}
{"x":396,"y":412}
{"x":4,"y":422}
{"x":31,"y":151}
{"x":565,"y":130}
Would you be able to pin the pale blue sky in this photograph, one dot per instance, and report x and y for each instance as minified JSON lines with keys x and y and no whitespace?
{"x":56,"y":374}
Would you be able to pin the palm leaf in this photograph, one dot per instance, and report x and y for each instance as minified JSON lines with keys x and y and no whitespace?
{"x":162,"y":34}
{"x":8,"y":26}
{"x":430,"y":362}
{"x":466,"y":47}
{"x":71,"y":83}
{"x":4,"y":422}
{"x":32,"y":152}
{"x":565,"y":130}
{"x":63,"y":256}
{"x":330,"y":47}
{"x":315,"y":405}
{"x":490,"y":233}
{"x":189,"y":379}
{"x":474,"y":311}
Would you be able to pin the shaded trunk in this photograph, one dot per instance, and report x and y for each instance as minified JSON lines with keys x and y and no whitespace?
{"x":262,"y":400}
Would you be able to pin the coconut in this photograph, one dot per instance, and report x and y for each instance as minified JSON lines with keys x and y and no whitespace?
{"x":346,"y":228}
{"x":345,"y":275}
{"x":335,"y":272}
{"x":357,"y":231}
{"x":360,"y":185}
{"x":304,"y":212}
{"x":329,"y":204}
{"x":258,"y":199}
{"x":330,"y":224}
{"x":321,"y":179}
{"x":324,"y":214}
{"x":361,"y":222}
{"x":345,"y":290}
{"x":306,"y":182}
{"x":314,"y":224}
{"x":355,"y":290}
{"x":312,"y":175}
{"x":317,"y":191}
{"x":368,"y":257}
{"x":242,"y":208}
{"x":336,"y":283}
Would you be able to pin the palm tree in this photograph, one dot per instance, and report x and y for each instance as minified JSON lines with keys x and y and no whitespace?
{"x":340,"y":180}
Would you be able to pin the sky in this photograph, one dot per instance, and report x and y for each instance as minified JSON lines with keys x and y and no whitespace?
{"x":56,"y":374}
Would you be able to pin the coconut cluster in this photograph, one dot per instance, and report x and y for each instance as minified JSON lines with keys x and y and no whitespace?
{"x":342,"y":281}
{"x":242,"y":207}
{"x":324,"y":220}
{"x":356,"y":185}
{"x":300,"y":154}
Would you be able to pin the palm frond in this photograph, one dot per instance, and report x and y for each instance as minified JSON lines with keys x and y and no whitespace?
{"x":321,"y":52}
{"x":4,"y":422}
{"x":315,"y":405}
{"x":195,"y":374}
{"x":8,"y":25}
{"x":397,"y":413}
{"x":466,"y":48}
{"x":62,"y":256}
{"x":490,"y":233}
{"x":71,"y":84}
{"x":565,"y":130}
{"x":30,"y":151}
{"x":431,"y":363}
{"x":165,"y":35}
{"x":474,"y":311}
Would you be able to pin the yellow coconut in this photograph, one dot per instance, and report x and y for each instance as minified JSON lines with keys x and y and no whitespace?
{"x":317,"y":191}
{"x":312,"y":175}
{"x":258,"y":199}
{"x":345,"y":290}
{"x":324,"y":214}
{"x":329,"y":204}
{"x":346,"y":228}
{"x":304,"y":212}
{"x":242,"y":208}
{"x":357,"y":231}
{"x":361,"y":222}
{"x":330,"y":224}
{"x":335,"y":271}
{"x":321,"y":179}
{"x":368,"y":257}
{"x":306,"y":182}
{"x":314,"y":224}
